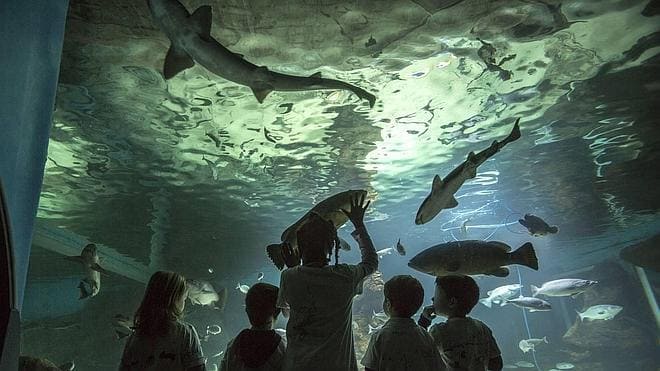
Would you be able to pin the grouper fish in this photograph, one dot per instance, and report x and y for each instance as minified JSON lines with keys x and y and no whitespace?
{"x":191,"y":41}
{"x":471,"y":257}
{"x":443,"y":190}
{"x":328,"y":209}
{"x":89,"y":258}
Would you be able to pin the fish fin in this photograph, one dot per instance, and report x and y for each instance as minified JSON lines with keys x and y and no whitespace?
{"x":526,"y":256}
{"x":83,"y":291}
{"x":575,"y":295}
{"x":452,"y":203}
{"x":274,"y":252}
{"x":437,"y":183}
{"x":453,"y":266}
{"x":202,"y":18}
{"x":553,"y":229}
{"x":489,"y":292}
{"x":515,"y":133}
{"x":471,"y":157}
{"x":486,"y":302}
{"x":545,"y":339}
{"x":522,"y":222}
{"x":261,"y":93}
{"x":100,"y":269}
{"x":502,"y":303}
{"x":500,"y":245}
{"x":499,"y":272}
{"x":535,"y":290}
{"x":176,"y":61}
{"x":315,"y":75}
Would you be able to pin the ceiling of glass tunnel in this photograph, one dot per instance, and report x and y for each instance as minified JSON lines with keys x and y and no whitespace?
{"x":194,"y":172}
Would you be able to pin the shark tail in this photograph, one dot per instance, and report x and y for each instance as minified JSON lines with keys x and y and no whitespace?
{"x":526,"y":256}
{"x":513,"y":135}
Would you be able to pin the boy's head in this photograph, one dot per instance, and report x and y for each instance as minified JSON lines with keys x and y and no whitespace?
{"x":261,"y":304}
{"x":316,"y":239}
{"x":455,"y":296}
{"x":403,"y":296}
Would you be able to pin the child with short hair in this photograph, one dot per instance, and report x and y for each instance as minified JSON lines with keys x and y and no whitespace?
{"x":258,"y":348}
{"x":401,"y":344}
{"x":464,"y":343}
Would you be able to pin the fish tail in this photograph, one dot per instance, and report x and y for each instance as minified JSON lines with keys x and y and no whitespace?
{"x":363,"y":94}
{"x":545,"y":339}
{"x":486,"y":302}
{"x":526,"y":256}
{"x":514,"y":135}
{"x":535,"y":290}
{"x":274,"y":252}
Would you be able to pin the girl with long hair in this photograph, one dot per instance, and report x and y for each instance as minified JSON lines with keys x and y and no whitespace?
{"x":162,"y":341}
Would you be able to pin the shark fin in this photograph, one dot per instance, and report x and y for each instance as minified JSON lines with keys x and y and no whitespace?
{"x":452,"y":203}
{"x":261,"y":94}
{"x":100,"y":269}
{"x":437,"y":183}
{"x":315,"y":75}
{"x":499,"y":272}
{"x":471,"y":156}
{"x":202,"y":18}
{"x":176,"y":61}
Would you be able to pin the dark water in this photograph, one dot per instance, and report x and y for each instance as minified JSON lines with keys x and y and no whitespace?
{"x":131,"y":166}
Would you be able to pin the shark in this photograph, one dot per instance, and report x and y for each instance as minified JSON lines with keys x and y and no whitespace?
{"x":329,"y":209}
{"x":191,"y":41}
{"x":89,"y":258}
{"x":442,"y":191}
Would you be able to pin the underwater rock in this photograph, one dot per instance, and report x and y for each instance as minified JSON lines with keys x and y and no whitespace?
{"x":627,"y":333}
{"x":372,"y":296}
{"x":645,"y":254}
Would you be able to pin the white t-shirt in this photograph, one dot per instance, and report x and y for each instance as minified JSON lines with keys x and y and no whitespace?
{"x":465,"y":344}
{"x":178,"y":350}
{"x":264,"y":350}
{"x":402,"y":345}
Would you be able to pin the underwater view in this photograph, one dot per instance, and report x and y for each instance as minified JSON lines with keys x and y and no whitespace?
{"x":515,"y":141}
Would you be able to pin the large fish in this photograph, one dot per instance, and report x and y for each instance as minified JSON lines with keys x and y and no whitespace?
{"x":473,"y":257}
{"x":328,"y":209}
{"x":89,"y":258}
{"x":563,"y":287}
{"x":191,"y":41}
{"x":442,"y":191}
{"x":645,"y":254}
{"x":203,"y":293}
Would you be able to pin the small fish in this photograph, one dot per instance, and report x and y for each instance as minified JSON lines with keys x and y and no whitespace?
{"x":214,"y":138}
{"x":442,"y":191}
{"x":243,"y":288}
{"x":260,"y":276}
{"x":603,"y":312}
{"x":530,"y":344}
{"x":218,"y":354}
{"x":89,"y":258}
{"x":123,"y":326}
{"x":501,"y":294}
{"x":203,"y":293}
{"x":213,"y":330}
{"x":399,"y":248}
{"x":532,"y":304}
{"x":563,"y":287}
{"x":525,"y":364}
{"x":564,"y":366}
{"x":537,"y":226}
{"x":510,"y":366}
{"x":373,"y":329}
{"x":471,"y":257}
